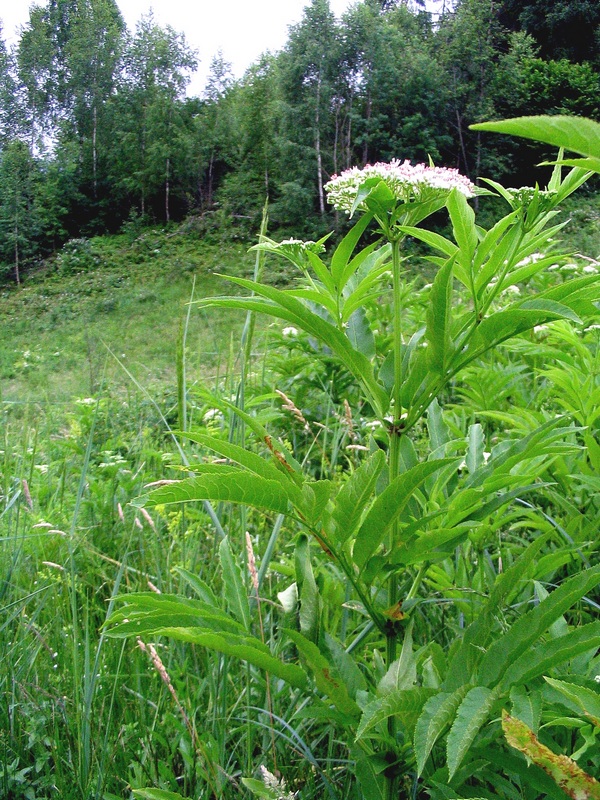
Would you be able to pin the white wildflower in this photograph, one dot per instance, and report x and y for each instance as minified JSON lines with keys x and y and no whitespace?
{"x":589,"y":269}
{"x":212,"y":415}
{"x":374,"y":424}
{"x":522,"y":198}
{"x":407,"y":182}
{"x":276,"y":785}
{"x":289,"y":331}
{"x":294,"y":250}
{"x":531,"y":259}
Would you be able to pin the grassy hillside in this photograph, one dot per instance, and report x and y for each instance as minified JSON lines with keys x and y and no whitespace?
{"x":122,"y":294}
{"x":128,"y":294}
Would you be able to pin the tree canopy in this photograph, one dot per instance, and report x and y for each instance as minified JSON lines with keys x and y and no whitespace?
{"x":100,"y":119}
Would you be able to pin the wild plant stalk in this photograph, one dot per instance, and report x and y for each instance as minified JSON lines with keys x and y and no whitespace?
{"x":406,"y":195}
{"x":395,"y":434}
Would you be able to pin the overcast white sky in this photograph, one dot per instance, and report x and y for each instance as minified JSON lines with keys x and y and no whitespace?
{"x":242,"y":29}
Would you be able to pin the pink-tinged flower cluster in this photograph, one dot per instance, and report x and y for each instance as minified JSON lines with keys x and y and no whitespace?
{"x":408,"y":182}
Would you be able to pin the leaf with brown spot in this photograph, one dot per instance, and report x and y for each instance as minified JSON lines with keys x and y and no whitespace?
{"x":562,"y":769}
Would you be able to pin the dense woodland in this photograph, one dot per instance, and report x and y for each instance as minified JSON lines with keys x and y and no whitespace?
{"x":96,"y":128}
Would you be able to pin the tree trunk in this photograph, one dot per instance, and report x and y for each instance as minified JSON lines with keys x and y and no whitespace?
{"x":318,"y":150}
{"x":461,"y":139}
{"x":349,"y":137}
{"x":95,"y":151}
{"x":336,"y":136}
{"x":210,"y":177}
{"x":167,"y":190}
{"x":16,"y":232}
{"x":368,"y":112}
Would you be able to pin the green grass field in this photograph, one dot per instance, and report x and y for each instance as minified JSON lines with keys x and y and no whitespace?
{"x":111,"y":299}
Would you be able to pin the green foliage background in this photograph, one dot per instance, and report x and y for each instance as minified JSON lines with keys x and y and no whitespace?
{"x":88,"y":144}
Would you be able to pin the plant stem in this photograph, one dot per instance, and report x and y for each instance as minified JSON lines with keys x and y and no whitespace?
{"x":396,"y":427}
{"x":397,"y":332}
{"x":394,"y":470}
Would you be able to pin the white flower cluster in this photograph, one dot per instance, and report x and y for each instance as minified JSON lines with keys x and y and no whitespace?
{"x":291,"y":248}
{"x":525,"y":195}
{"x":407,"y":182}
{"x":212,"y":415}
{"x":277,"y":786}
{"x":530,"y":259}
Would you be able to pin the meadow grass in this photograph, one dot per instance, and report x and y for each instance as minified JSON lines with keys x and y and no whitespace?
{"x":114,"y":294}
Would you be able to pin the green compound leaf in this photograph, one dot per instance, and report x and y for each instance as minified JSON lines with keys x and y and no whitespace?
{"x":245,"y":458}
{"x":573,"y":133}
{"x":199,"y":623}
{"x":388,"y":507}
{"x":404,"y":704}
{"x":246,"y":648}
{"x":227,"y":485}
{"x":532,"y":625}
{"x":283,"y":305}
{"x":354,"y":495}
{"x":471,"y":715}
{"x":552,"y":653}
{"x":233,"y":584}
{"x":438,"y":713}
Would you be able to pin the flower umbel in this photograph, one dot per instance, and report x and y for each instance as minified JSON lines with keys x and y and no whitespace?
{"x":294,"y":250}
{"x":407,"y":182}
{"x":526,"y":195}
